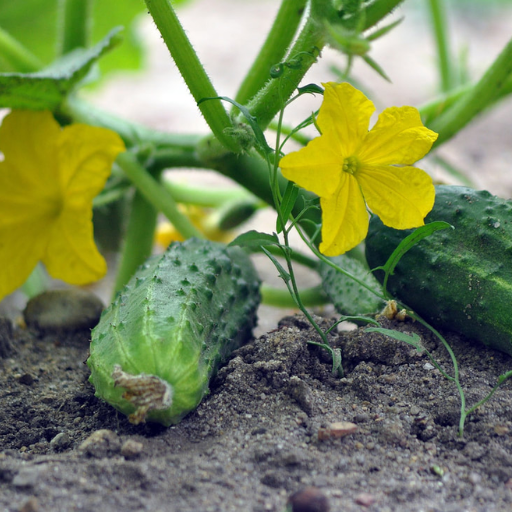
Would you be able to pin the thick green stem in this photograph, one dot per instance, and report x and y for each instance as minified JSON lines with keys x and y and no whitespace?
{"x":157,"y":195}
{"x":20,"y":58}
{"x":273,"y":50}
{"x":251,"y":171}
{"x":304,"y":52}
{"x":138,"y":242}
{"x":132,"y":133}
{"x":171,"y":158}
{"x":74,"y":24}
{"x":486,"y":91}
{"x":441,"y":33}
{"x":192,"y":70}
{"x":438,"y":106}
{"x":37,"y":282}
{"x":205,"y":196}
{"x":268,"y":101}
{"x":281,"y":298}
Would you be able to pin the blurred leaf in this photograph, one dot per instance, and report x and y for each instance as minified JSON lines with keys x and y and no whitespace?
{"x":287,"y":204}
{"x":47,"y":88}
{"x":412,"y":339}
{"x":375,"y":67}
{"x":255,"y":239}
{"x":34,"y":24}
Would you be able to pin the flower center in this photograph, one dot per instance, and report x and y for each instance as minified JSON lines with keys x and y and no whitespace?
{"x":350,"y":164}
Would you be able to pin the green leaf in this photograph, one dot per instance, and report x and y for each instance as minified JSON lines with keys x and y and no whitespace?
{"x":287,"y":204}
{"x":47,"y":88}
{"x":384,"y":30}
{"x":412,"y":339}
{"x":34,"y":23}
{"x":376,"y":67}
{"x":310,"y":89}
{"x":255,"y":239}
{"x":283,"y":274}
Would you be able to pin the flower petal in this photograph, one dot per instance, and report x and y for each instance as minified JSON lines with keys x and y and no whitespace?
{"x":28,"y":142}
{"x":316,"y":167}
{"x":344,"y":218}
{"x":86,"y":155}
{"x":347,"y":112}
{"x":398,"y":138}
{"x":21,"y":247}
{"x":71,"y":254}
{"x":400,"y":196}
{"x":18,"y":206}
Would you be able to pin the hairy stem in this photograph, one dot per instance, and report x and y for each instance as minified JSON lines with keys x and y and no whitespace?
{"x":483,"y":93}
{"x":74,"y":24}
{"x":157,"y":195}
{"x":274,"y":48}
{"x":192,"y":70}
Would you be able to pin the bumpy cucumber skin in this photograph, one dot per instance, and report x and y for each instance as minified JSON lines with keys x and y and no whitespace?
{"x":458,"y":279}
{"x":347,"y":296}
{"x":178,"y":318}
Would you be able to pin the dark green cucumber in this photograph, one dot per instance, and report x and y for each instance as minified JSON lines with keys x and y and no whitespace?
{"x":457,"y":279}
{"x":159,"y":343}
{"x":347,"y":296}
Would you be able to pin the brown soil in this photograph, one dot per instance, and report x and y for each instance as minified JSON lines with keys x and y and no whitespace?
{"x":255,"y":439}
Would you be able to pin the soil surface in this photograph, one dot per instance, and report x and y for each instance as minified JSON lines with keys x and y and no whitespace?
{"x":265,"y":431}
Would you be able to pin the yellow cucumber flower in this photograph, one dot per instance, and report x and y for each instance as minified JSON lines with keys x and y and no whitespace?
{"x":48,"y":178}
{"x":166,"y":233}
{"x":348,"y":166}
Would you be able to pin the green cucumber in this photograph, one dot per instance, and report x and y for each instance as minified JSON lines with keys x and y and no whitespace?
{"x":460,"y":279}
{"x":349,"y":297}
{"x":158,"y":344}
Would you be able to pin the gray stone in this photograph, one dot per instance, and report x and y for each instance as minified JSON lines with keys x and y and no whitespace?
{"x":70,"y":309}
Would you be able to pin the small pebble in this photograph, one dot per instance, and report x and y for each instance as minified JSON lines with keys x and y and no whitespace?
{"x":31,"y":505}
{"x":474,"y":477}
{"x":101,"y":443}
{"x":309,"y":499}
{"x":501,"y":430}
{"x":60,"y":441}
{"x":70,"y":309}
{"x":26,"y":379}
{"x":337,"y":429}
{"x":131,"y":449}
{"x":365,"y":499}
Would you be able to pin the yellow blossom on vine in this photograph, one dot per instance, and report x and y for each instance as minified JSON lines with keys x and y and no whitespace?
{"x":349,"y":167}
{"x":167,"y":233}
{"x":48,"y":178}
